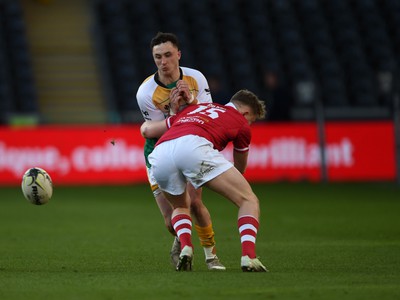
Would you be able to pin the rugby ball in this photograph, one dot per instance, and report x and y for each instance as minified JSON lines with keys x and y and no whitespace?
{"x":37,"y":186}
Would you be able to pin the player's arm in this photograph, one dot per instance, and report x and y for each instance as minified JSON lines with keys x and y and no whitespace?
{"x":241,"y":148}
{"x":153,"y":129}
{"x":240,"y":160}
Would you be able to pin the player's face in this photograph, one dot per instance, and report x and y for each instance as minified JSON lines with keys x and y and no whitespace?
{"x":166,"y":57}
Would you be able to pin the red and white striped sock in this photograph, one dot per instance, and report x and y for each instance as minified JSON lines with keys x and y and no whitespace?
{"x":248,"y":227}
{"x":183,"y":227}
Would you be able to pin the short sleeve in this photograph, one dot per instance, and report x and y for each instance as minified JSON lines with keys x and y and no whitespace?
{"x":242,"y":141}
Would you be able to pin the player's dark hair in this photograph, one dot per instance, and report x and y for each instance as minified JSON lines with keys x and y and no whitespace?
{"x":250,"y":99}
{"x":163,"y":37}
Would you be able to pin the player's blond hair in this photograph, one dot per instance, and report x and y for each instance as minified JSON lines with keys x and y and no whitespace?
{"x":250,"y":99}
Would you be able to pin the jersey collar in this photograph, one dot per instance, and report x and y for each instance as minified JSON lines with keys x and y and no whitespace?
{"x":231,"y":105}
{"x":157,"y":78}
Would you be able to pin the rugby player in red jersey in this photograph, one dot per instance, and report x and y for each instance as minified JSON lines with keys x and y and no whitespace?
{"x":189,"y":151}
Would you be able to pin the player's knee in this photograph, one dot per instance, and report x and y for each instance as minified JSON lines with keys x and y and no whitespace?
{"x":196,"y":205}
{"x":247,"y":198}
{"x":196,"y":209}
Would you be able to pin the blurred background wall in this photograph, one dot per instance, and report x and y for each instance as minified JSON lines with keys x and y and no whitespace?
{"x":81,"y":61}
{"x":331,"y":65}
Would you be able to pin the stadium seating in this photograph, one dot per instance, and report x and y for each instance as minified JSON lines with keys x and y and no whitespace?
{"x":17,"y":89}
{"x":343,"y":52}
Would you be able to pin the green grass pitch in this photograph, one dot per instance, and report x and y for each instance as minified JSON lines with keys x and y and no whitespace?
{"x":319,"y":241}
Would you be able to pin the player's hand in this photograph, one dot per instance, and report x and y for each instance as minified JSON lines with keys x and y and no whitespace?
{"x":184,"y":91}
{"x":175,"y":99}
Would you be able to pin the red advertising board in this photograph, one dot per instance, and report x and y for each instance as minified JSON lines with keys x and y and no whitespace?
{"x":91,"y":155}
{"x":361,"y":151}
{"x":74,"y":155}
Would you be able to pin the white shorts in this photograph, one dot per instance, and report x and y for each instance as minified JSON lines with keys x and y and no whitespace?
{"x":188,"y":158}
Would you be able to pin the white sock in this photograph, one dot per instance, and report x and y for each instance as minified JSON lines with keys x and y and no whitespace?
{"x":208,"y":252}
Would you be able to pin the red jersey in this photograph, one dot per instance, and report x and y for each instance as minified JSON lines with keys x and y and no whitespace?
{"x":220,"y":124}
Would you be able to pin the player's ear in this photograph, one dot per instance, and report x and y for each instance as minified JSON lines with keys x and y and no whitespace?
{"x":179,"y":54}
{"x":245,"y":111}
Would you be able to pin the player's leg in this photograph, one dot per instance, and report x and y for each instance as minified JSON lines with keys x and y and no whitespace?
{"x":232,"y":185}
{"x":204,"y":228}
{"x":173,"y":185}
{"x":166,"y":211}
{"x":182,"y":223}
